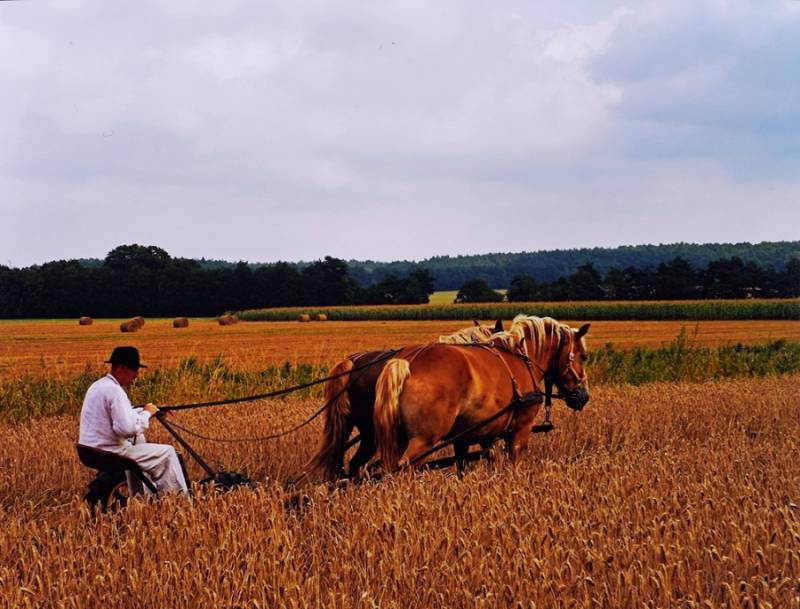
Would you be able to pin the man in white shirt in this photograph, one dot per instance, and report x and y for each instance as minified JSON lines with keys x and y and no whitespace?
{"x":109,"y":422}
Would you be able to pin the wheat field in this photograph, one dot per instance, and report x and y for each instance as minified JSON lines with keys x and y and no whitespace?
{"x":663,"y":495}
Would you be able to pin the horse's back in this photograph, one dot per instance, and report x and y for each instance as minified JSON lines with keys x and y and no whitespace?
{"x":452,"y":387}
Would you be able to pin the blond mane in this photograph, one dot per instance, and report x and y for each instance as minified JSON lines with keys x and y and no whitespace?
{"x":545,"y":333}
{"x":468,"y":336}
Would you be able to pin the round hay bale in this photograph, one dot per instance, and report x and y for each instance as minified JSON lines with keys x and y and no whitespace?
{"x":322,"y":317}
{"x":85,"y":321}
{"x":304,"y":317}
{"x":180,"y":322}
{"x":129,"y":325}
{"x":227,"y":320}
{"x":139,"y":320}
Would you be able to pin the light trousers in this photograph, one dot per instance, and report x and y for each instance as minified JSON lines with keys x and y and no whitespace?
{"x":160,"y":464}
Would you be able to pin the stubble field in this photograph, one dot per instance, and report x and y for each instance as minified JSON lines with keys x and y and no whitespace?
{"x":663,"y":495}
{"x":63,"y":347}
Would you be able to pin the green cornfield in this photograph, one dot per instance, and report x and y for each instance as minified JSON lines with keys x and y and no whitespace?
{"x":783,"y":309}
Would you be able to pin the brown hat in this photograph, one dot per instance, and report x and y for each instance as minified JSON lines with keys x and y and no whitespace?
{"x":126,"y":356}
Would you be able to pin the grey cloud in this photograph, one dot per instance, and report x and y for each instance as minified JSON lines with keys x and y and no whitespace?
{"x":239,"y":129}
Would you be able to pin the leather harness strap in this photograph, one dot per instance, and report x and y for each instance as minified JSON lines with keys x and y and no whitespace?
{"x":517,"y":397}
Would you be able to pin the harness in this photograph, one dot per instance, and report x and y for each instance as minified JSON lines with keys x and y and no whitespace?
{"x":552,"y":376}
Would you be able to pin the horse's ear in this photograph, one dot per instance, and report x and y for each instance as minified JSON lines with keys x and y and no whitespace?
{"x":476,"y":322}
{"x":498,"y":326}
{"x":582,"y":332}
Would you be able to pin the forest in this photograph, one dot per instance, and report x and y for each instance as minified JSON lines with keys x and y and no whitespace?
{"x":146,"y":280}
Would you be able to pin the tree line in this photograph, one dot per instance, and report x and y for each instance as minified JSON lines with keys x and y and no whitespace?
{"x":499,"y":269}
{"x":146,"y":280}
{"x":673,"y":280}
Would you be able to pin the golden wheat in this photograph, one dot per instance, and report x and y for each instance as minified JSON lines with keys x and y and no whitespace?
{"x":665,"y":495}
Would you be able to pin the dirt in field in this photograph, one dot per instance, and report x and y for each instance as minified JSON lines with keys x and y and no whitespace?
{"x":64,"y":347}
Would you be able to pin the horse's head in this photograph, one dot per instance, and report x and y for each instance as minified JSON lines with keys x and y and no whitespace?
{"x":567,"y":370}
{"x":557,"y":350}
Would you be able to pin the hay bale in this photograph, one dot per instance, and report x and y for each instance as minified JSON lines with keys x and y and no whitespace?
{"x":322,"y":317}
{"x":227,"y":320}
{"x":180,"y":322}
{"x":304,"y":317}
{"x":134,"y":324}
{"x":129,"y":325}
{"x":85,"y":321}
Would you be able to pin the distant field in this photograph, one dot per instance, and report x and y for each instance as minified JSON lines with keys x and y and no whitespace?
{"x":447,"y":297}
{"x":443,"y":298}
{"x":62,"y":347}
{"x":785,"y":309}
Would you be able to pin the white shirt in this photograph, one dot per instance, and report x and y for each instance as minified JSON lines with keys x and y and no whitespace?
{"x":107,"y":417}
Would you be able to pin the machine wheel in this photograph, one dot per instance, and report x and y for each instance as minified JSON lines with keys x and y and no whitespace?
{"x":226,"y":481}
{"x":108,"y":491}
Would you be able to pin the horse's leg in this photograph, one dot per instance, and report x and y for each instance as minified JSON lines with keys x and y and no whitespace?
{"x":341,"y":472}
{"x":462,"y":450}
{"x":365,"y":452}
{"x":521,"y":431}
{"x":416,"y":446}
{"x":487,"y":451}
{"x":518,"y":442}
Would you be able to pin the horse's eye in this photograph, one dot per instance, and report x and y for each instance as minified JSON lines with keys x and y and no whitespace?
{"x":584,"y":356}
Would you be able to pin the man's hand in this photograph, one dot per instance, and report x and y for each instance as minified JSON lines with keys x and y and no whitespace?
{"x":151,"y":408}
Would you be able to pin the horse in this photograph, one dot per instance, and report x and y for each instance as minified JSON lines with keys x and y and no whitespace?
{"x":435,"y":392}
{"x":350,"y":399}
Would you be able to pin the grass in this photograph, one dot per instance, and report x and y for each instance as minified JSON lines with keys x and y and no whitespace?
{"x":194,"y":379}
{"x":683,"y":361}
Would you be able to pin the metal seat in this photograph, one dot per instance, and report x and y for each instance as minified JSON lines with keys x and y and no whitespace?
{"x":105,"y":461}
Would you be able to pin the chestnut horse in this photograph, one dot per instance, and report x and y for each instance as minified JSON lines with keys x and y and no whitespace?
{"x":351,"y":398}
{"x":426,"y":394}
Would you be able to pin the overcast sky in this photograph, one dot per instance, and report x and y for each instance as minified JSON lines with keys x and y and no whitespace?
{"x":389,"y":130}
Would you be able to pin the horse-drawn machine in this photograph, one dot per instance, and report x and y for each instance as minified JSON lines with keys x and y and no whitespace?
{"x":474,"y":387}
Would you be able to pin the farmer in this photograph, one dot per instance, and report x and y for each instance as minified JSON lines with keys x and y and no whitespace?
{"x":109,"y":422}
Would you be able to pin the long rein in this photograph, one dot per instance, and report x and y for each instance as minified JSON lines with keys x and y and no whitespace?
{"x":271,"y":394}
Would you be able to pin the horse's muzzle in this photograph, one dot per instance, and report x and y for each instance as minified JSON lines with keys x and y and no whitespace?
{"x":577,"y":398}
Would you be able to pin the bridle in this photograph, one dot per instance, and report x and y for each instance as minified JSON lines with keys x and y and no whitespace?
{"x":554,"y":377}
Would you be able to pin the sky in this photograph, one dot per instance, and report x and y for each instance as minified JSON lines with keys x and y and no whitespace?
{"x":399,"y":129}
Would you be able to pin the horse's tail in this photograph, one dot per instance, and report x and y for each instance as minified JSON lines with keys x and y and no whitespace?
{"x":386,"y":417}
{"x":329,"y":460}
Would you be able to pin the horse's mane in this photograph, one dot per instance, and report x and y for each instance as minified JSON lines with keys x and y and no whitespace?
{"x":468,"y":336}
{"x":545,"y":333}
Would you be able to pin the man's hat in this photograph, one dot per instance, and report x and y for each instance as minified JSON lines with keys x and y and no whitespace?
{"x":126,"y":356}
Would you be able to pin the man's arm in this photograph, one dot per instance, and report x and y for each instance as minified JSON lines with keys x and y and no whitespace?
{"x":125,"y":421}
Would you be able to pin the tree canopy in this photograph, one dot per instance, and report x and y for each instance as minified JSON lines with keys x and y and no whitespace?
{"x":146,"y":280}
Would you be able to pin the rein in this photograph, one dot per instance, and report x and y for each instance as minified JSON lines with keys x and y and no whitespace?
{"x":277,"y":392}
{"x":273,"y":436}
